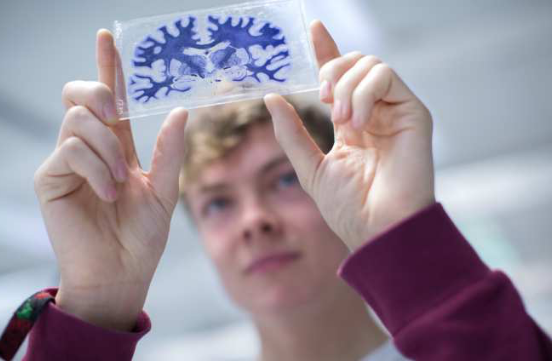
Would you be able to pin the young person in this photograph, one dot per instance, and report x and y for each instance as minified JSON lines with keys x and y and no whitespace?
{"x":280,"y":211}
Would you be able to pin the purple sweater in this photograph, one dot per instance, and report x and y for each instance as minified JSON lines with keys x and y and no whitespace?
{"x":423,"y":280}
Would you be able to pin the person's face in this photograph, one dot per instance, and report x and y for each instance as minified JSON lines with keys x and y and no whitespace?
{"x":249,"y":206}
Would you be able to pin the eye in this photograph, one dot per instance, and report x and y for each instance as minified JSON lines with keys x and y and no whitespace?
{"x":286,"y":180}
{"x":216,"y":205}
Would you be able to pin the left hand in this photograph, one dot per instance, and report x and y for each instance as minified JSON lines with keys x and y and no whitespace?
{"x":380,"y":169}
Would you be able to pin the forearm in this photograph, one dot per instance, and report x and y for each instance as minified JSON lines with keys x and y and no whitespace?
{"x":58,"y":335}
{"x":438,"y":299}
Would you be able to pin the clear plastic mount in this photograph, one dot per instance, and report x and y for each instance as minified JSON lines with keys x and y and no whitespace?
{"x":212,"y":56}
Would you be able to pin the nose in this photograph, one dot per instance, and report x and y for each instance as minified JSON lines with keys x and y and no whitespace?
{"x":261,"y":229}
{"x":259,"y":222}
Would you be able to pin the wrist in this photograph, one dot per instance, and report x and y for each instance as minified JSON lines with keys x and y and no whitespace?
{"x":109,"y":307}
{"x":388,"y":219}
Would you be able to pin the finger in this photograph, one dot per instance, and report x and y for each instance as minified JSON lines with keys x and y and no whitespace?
{"x":105,"y":58}
{"x":81,"y":122}
{"x":75,"y":157}
{"x":109,"y":66}
{"x":95,"y":96}
{"x":168,"y":156}
{"x":325,"y":47}
{"x":346,"y":135}
{"x":346,"y":85}
{"x":332,"y":71}
{"x":300,"y":148}
{"x":120,"y":88}
{"x":381,"y":84}
{"x":325,"y":50}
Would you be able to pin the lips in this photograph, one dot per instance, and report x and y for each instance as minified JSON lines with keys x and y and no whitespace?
{"x":271,"y":262}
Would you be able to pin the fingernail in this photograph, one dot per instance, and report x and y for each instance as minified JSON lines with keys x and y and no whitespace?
{"x":111,"y":192}
{"x":109,"y":111}
{"x":336,"y":114}
{"x":352,"y":54}
{"x":121,"y":171}
{"x":325,"y":90}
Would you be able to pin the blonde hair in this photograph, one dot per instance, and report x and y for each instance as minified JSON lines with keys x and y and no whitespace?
{"x":216,"y":131}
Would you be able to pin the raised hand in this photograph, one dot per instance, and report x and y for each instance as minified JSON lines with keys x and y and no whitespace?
{"x":380,"y":169}
{"x":107,"y":219}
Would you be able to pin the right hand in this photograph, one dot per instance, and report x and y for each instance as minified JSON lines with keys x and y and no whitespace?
{"x":107,"y":219}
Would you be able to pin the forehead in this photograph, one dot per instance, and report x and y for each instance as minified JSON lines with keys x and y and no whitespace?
{"x":258,"y":148}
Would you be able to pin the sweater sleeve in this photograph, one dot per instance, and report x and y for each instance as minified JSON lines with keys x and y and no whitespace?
{"x":58,"y":335}
{"x":436,"y":297}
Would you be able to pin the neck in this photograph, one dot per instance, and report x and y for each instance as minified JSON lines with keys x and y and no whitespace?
{"x":337,"y":328}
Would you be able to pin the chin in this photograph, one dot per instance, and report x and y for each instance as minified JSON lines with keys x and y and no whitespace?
{"x":278,"y":299}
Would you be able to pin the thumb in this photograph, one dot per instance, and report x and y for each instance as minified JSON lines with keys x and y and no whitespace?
{"x":325,"y":47}
{"x":300,"y":148}
{"x":168,"y":155}
{"x":105,"y":58}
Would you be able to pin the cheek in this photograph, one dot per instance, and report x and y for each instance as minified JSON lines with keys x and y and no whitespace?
{"x":322,"y":245}
{"x":301,"y":213}
{"x":218,"y":248}
{"x":224,"y":258}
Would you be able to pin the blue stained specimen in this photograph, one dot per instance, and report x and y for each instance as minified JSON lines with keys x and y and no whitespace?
{"x":179,"y":61}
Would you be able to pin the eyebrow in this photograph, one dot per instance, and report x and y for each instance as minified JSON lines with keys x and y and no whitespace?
{"x":221,"y":186}
{"x":272,"y":164}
